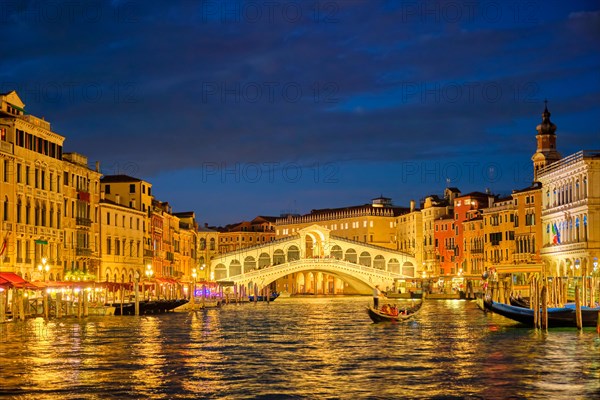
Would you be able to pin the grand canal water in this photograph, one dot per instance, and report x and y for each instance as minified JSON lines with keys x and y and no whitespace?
{"x":310,"y":348}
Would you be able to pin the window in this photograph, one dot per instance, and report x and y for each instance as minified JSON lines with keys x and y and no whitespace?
{"x":5,"y":171}
{"x":106,"y":189}
{"x":108,"y":245}
{"x":5,"y":209}
{"x":132,"y":188}
{"x":27,"y":175}
{"x":108,"y":219}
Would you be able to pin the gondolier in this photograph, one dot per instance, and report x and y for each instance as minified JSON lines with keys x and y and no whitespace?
{"x":376,"y":295}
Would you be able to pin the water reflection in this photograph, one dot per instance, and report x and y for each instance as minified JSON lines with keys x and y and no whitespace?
{"x":304,"y":348}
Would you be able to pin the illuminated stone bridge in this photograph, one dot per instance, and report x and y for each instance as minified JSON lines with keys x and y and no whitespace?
{"x":315,"y":262}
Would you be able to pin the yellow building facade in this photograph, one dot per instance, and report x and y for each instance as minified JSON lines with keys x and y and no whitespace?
{"x":410,"y":234}
{"x":373,"y":223}
{"x":49,"y":200}
{"x":121,"y":242}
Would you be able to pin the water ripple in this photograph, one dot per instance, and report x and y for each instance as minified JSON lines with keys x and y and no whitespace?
{"x":297,"y":349}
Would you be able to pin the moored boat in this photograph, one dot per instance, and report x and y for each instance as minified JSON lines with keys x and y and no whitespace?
{"x":557,"y":316}
{"x":379,"y":315}
{"x":272,"y":297}
{"x":519,"y":302}
{"x":148,"y":306}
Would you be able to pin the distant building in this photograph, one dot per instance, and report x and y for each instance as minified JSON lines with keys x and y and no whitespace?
{"x":207,"y":249}
{"x":449,"y":232}
{"x":246,"y":233}
{"x":373,"y":223}
{"x":409,"y":228}
{"x":432,"y":208}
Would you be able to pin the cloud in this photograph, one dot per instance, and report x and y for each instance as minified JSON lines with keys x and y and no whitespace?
{"x":170,"y":86}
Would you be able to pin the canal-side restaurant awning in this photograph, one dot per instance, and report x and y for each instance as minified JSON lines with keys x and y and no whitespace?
{"x":11,"y":280}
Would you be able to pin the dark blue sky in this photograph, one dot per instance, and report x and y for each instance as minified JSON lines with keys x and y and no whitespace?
{"x":237,"y":109}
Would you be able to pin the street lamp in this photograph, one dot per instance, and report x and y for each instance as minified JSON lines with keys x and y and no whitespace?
{"x":194,"y":276}
{"x":149,"y":272}
{"x":44,"y":267}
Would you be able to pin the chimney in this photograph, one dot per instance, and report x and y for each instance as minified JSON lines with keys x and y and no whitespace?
{"x":102,"y":195}
{"x":118,"y":198}
{"x":412,"y":205}
{"x":97,"y":166}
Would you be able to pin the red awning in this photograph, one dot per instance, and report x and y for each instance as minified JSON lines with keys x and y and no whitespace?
{"x":10,"y":279}
{"x":166,"y":280}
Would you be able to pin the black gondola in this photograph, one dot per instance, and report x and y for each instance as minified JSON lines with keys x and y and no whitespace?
{"x":403,"y":314}
{"x":148,"y":307}
{"x":557,"y":317}
{"x":272,"y":297}
{"x":519,"y":302}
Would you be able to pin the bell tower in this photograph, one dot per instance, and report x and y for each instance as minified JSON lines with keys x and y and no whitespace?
{"x":546,"y":152}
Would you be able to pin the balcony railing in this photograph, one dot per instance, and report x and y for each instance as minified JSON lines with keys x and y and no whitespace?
{"x":83,"y":221}
{"x":83,"y":252}
{"x":6,"y":147}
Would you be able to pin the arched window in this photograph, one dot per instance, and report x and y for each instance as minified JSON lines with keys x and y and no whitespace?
{"x":212,"y":243}
{"x":203,"y":244}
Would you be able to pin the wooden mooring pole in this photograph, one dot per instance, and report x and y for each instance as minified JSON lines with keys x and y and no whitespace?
{"x":544,"y":301}
{"x":578,"y":308}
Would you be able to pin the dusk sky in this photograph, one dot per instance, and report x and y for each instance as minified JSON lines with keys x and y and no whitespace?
{"x":234,"y":109}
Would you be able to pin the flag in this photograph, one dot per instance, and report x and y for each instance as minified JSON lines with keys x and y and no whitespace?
{"x":556,"y":234}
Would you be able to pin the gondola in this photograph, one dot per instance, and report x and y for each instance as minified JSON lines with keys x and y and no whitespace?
{"x":272,"y":297}
{"x":557,"y":317}
{"x":519,"y":302}
{"x":148,"y":306}
{"x":404,"y":313}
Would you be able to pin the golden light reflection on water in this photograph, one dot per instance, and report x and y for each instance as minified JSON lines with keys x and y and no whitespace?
{"x":320,"y":348}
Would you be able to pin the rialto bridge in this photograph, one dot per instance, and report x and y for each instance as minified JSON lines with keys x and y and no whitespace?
{"x":313,"y":261}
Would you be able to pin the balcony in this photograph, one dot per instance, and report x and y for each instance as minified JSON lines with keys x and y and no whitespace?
{"x":564,"y":247}
{"x":84,"y":252}
{"x":6,"y":147}
{"x":83,"y":221}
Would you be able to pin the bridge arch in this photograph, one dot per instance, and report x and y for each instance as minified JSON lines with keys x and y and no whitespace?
{"x":249,"y":264}
{"x":337,"y":252}
{"x":313,"y":249}
{"x":365,"y":259}
{"x":393,"y":266}
{"x":293,"y":253}
{"x":220,"y":272}
{"x":278,"y":257}
{"x":379,"y":262}
{"x":351,"y":256}
{"x":264,"y":260}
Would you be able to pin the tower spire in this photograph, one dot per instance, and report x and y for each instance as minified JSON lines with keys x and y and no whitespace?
{"x":546,"y":143}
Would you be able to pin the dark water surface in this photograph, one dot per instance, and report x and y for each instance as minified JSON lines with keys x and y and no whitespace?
{"x":310,"y":348}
